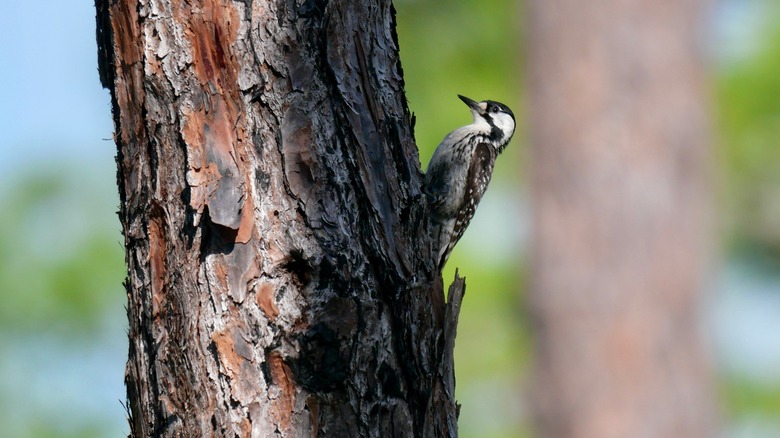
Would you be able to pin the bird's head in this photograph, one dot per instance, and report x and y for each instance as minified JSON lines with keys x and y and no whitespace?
{"x":495,"y":118}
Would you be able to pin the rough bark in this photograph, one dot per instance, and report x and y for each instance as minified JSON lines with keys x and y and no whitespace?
{"x":621,"y":207}
{"x":280,"y":274}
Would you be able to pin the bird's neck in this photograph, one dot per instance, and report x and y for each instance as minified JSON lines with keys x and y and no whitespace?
{"x":490,"y":133}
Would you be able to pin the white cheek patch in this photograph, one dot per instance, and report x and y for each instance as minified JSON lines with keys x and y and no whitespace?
{"x":505,"y":123}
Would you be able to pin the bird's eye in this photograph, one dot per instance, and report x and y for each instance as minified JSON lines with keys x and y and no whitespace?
{"x":494,"y":109}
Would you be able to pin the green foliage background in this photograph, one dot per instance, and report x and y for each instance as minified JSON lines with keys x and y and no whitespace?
{"x":62,"y":340}
{"x":747,"y":116}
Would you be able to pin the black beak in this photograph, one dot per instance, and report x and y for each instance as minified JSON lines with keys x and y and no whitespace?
{"x":472,"y":104}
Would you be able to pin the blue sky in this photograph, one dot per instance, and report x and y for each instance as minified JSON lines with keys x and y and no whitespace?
{"x":53,"y":105}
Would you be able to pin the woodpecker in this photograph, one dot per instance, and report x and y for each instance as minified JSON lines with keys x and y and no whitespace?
{"x":460,"y":170}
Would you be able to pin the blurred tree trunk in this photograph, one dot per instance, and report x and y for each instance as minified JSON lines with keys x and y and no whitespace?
{"x":621,"y":218}
{"x":280,"y":276}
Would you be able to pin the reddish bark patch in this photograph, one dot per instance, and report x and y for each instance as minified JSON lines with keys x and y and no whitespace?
{"x":192,"y":133}
{"x":266,"y":302}
{"x":247,"y":224}
{"x":220,"y":131}
{"x":202,"y":176}
{"x":282,"y":377}
{"x":246,"y":428}
{"x":213,"y":28}
{"x":226,"y":349}
{"x":126,"y":32}
{"x":313,"y":405}
{"x":215,"y":132}
{"x":222,"y":274}
{"x":129,"y":89}
{"x":213,"y":150}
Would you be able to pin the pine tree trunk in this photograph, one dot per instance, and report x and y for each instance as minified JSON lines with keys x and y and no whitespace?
{"x":621,"y":228}
{"x":280,"y":274}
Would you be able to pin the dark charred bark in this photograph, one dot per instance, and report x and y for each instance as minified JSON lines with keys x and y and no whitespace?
{"x":280,"y":274}
{"x":621,"y":219}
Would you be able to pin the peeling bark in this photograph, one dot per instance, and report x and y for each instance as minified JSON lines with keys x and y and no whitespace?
{"x":280,"y":274}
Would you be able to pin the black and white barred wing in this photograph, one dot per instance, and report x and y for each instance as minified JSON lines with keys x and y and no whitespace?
{"x":475,"y":184}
